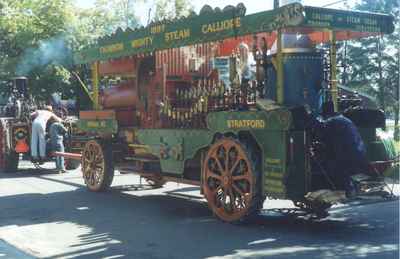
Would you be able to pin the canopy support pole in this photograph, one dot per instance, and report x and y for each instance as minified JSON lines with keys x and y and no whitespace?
{"x":334,"y":90}
{"x":279,"y":68}
{"x":95,"y":85}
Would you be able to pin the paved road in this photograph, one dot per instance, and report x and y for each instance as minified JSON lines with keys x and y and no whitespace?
{"x":9,"y":251}
{"x":53,"y":216}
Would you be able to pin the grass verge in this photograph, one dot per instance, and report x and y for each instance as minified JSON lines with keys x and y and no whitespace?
{"x":394,"y":172}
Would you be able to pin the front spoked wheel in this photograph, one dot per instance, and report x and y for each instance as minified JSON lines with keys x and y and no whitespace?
{"x":97,"y":165}
{"x":231,"y":182}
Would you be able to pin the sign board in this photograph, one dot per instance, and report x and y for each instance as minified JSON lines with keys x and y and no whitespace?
{"x":215,"y":25}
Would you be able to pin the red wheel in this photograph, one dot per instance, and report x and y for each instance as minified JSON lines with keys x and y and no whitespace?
{"x":231,"y":183}
{"x":9,"y":159}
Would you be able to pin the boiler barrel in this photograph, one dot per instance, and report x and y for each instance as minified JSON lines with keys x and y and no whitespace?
{"x":303,"y":75}
{"x":120,"y":96}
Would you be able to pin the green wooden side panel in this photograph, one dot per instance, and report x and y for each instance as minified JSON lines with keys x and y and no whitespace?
{"x":273,"y":143}
{"x":270,"y":129}
{"x":99,"y":126}
{"x":174,"y":146}
{"x":279,"y":119}
{"x":298,"y":179}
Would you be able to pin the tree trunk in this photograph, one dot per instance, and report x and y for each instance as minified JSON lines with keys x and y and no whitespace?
{"x":381,"y":85}
{"x":396,"y":133}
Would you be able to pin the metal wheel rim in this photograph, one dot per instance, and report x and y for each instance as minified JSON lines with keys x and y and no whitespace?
{"x":228,"y":189}
{"x":93,"y":165}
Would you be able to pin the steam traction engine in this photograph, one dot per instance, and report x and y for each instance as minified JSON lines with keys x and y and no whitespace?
{"x":14,"y":125}
{"x":224,"y":101}
{"x":15,"y":128}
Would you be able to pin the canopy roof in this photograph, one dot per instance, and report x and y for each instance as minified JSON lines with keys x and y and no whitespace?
{"x":215,"y":25}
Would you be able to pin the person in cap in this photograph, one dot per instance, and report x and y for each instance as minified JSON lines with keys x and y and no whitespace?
{"x":57,"y":133}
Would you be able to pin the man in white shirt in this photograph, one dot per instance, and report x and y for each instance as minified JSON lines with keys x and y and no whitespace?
{"x":246,"y":63}
{"x":38,"y":132}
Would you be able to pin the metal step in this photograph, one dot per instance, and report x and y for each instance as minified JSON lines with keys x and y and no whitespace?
{"x":142,"y":159}
{"x":126,"y":167}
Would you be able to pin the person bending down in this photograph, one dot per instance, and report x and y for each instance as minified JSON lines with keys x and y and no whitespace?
{"x":38,"y":132}
{"x":57,"y":132}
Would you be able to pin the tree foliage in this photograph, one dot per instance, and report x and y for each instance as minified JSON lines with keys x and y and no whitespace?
{"x":372,"y":64}
{"x":104,"y":18}
{"x":34,"y":36}
{"x":172,"y":9}
{"x":38,"y":37}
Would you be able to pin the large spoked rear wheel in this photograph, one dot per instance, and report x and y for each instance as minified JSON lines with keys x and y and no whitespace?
{"x":97,"y":165}
{"x":232,"y":181}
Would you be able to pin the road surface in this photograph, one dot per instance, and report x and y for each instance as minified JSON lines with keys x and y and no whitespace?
{"x":48,"y":215}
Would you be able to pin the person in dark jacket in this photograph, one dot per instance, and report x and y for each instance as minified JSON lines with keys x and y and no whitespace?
{"x":346,"y":151}
{"x":57,"y":133}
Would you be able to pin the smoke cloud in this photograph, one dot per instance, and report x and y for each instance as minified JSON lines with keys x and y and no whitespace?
{"x":51,"y":51}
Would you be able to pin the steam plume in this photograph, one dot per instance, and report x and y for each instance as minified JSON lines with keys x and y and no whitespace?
{"x":51,"y":51}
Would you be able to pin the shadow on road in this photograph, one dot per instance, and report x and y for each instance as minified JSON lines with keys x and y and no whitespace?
{"x":24,"y":172}
{"x":159,"y":226}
